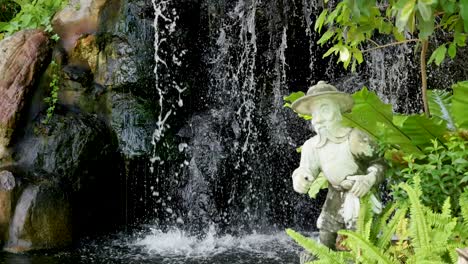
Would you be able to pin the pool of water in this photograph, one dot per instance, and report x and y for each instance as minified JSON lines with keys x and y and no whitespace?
{"x":171,"y":247}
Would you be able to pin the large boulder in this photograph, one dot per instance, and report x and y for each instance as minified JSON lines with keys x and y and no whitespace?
{"x":73,"y":160}
{"x":21,"y":58}
{"x":42,"y":219}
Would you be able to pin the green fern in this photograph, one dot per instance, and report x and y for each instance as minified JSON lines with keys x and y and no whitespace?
{"x":440,"y":104}
{"x":370,"y":253}
{"x":418,"y":227}
{"x":325,"y":254}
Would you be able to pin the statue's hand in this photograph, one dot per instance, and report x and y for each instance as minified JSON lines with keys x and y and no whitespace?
{"x":301,"y":181}
{"x":362,"y":183}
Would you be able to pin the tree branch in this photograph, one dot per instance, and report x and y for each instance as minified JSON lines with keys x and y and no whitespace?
{"x":390,"y":44}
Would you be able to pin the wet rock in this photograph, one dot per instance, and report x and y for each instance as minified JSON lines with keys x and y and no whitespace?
{"x":79,"y":152}
{"x":117,"y":65}
{"x":85,"y":53}
{"x":7,"y":183}
{"x":77,"y":18}
{"x":67,"y":149}
{"x":21,"y":58}
{"x":134,"y":122}
{"x":126,"y":42}
{"x":42,"y":219}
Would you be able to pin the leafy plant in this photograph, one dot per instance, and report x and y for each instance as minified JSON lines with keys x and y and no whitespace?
{"x":54,"y":86}
{"x":442,"y":169}
{"x":32,"y":14}
{"x":353,"y":25}
{"x":423,"y":237}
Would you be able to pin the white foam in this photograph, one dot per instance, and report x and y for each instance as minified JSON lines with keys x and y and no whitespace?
{"x":178,"y":243}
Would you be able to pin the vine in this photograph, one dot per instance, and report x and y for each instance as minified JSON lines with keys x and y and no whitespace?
{"x":52,"y":99}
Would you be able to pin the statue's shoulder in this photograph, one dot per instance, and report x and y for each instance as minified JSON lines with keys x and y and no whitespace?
{"x":361,"y":143}
{"x":311,"y":142}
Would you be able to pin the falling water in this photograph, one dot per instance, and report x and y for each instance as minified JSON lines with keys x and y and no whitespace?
{"x":165,"y":23}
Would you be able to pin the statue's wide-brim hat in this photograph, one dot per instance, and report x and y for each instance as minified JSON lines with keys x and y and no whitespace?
{"x":322,"y":89}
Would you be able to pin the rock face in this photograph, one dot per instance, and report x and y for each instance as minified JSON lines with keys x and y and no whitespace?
{"x":7,"y":183}
{"x":77,"y":18}
{"x":70,"y":172}
{"x":41,"y":220}
{"x":21,"y":58}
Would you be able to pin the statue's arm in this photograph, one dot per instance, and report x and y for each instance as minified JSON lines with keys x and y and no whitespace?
{"x":308,"y":168}
{"x":365,"y":151}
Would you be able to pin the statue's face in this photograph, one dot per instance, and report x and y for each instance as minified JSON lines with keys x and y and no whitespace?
{"x":325,"y":113}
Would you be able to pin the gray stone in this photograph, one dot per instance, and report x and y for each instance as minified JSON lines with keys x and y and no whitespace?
{"x":42,"y":220}
{"x":7,"y":183}
{"x":133,"y":122}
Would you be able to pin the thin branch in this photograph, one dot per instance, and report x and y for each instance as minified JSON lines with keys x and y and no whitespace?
{"x":373,"y":42}
{"x":391,"y":44}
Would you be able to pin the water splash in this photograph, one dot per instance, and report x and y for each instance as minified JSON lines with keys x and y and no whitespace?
{"x":175,"y":243}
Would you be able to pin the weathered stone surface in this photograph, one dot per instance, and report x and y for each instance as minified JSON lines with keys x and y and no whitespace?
{"x":462,"y":255}
{"x":79,"y":152}
{"x":7,"y":183}
{"x":133,"y":122}
{"x":42,"y":219}
{"x":78,"y":18}
{"x":85,"y":53}
{"x":21,"y":57}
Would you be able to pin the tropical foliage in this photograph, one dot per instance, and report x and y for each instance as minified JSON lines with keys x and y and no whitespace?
{"x":355,"y":27}
{"x":423,"y":236}
{"x":31,"y":14}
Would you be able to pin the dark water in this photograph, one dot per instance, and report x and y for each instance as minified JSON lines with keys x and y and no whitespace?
{"x":155,"y":246}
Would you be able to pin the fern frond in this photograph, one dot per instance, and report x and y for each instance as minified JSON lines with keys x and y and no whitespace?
{"x":364,"y":222}
{"x":418,"y":226}
{"x":446,"y":208}
{"x":463,"y":201}
{"x":382,"y":221}
{"x":389,"y":230}
{"x":319,"y":250}
{"x":370,"y":251}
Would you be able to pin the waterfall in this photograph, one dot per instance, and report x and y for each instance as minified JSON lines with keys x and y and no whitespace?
{"x":224,"y":146}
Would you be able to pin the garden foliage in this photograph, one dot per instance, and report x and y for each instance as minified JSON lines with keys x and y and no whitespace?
{"x":394,"y":237}
{"x":32,"y":14}
{"x":352,"y":23}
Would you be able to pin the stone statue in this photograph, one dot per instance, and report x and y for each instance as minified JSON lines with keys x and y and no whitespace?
{"x":347,"y":158}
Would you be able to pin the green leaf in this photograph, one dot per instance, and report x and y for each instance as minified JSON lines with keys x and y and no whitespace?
{"x":460,"y":39}
{"x":460,"y":104}
{"x":452,"y":50}
{"x":374,"y":117}
{"x":426,"y":28}
{"x":358,"y":55}
{"x":421,"y":129}
{"x":318,"y":184}
{"x":440,"y":104}
{"x":370,"y":251}
{"x":320,"y":20}
{"x":291,"y":98}
{"x":405,"y":13}
{"x":345,"y":55}
{"x":425,"y":10}
{"x":438,"y":55}
{"x":324,"y":253}
{"x":419,"y":227}
{"x":325,"y":37}
{"x":464,"y":13}
{"x":333,"y":49}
